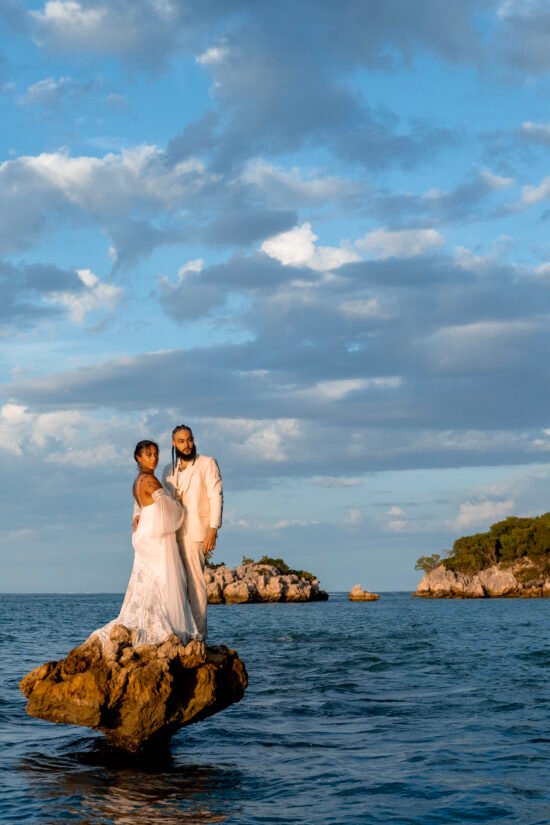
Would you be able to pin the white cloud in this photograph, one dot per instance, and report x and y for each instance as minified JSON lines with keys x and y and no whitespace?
{"x":541,"y":444}
{"x":538,"y":131}
{"x":270,"y":442}
{"x":97,"y":296}
{"x":519,"y":8}
{"x":336,"y":481}
{"x":496,"y":181}
{"x":146,"y":30}
{"x":71,"y":17}
{"x":105,"y":184}
{"x":282,"y":524}
{"x":196,"y":265}
{"x":482,"y":513}
{"x":395,"y":511}
{"x":365,"y":308}
{"x":479,"y":346}
{"x":22,"y":535}
{"x":297,"y":247}
{"x":466,"y":258}
{"x":213,"y":55}
{"x":338,"y":389}
{"x":531,"y":195}
{"x":66,"y":437}
{"x":397,"y":525}
{"x":13,"y":429}
{"x":265,"y":524}
{"x":404,"y":243}
{"x":285,"y":187}
{"x":51,"y":91}
{"x":260,"y":440}
{"x":354,"y":517}
{"x":105,"y":190}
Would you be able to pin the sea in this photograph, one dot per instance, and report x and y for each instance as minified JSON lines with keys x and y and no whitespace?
{"x":402,"y":711}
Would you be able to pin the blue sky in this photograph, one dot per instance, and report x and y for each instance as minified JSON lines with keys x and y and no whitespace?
{"x":316,"y":232}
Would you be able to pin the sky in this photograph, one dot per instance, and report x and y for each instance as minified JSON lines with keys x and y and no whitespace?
{"x":315,"y":232}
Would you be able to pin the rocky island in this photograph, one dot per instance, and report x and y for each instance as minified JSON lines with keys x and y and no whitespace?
{"x":512,"y":559}
{"x":357,"y":594}
{"x":268,"y":580}
{"x":137,"y":696}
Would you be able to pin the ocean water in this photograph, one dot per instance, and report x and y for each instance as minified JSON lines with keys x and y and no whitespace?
{"x":399,"y":711}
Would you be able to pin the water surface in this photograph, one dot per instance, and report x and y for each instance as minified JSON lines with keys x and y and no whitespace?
{"x":397,"y":711}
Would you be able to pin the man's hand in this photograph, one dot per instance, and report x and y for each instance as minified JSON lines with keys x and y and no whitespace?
{"x":210,"y":540}
{"x":135,"y":523}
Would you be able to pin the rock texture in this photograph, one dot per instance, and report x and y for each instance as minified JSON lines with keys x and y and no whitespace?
{"x":357,"y":594}
{"x":519,"y":580}
{"x":259,"y":583}
{"x":137,"y":696}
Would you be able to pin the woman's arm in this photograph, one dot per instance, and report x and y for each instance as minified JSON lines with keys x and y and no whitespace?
{"x":147,"y":485}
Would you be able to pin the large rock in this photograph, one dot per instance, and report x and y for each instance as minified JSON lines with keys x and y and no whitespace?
{"x":259,"y":583}
{"x":519,"y":579}
{"x":357,"y":594}
{"x":137,"y":696}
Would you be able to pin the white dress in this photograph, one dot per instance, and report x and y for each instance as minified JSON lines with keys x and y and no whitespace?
{"x":156,"y":602}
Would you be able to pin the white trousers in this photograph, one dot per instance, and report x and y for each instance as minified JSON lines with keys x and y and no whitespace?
{"x":192,"y":554}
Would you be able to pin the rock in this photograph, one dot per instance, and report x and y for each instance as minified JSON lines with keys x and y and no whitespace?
{"x":239,"y":592}
{"x":519,"y":579}
{"x":441,"y":583}
{"x":357,"y":594}
{"x":137,"y":696}
{"x":497,"y":582}
{"x":259,"y":583}
{"x":214,"y":593}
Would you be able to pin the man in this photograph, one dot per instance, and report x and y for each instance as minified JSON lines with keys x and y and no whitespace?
{"x":196,"y":482}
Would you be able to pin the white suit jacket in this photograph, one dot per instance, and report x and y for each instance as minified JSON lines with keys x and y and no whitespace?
{"x":199,"y":489}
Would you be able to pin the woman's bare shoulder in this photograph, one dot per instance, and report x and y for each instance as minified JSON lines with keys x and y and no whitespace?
{"x":145,"y":485}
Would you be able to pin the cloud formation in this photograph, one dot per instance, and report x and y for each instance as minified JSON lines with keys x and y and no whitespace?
{"x":309,"y":230}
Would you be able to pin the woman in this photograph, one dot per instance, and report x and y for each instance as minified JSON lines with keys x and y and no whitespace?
{"x":156,"y":602}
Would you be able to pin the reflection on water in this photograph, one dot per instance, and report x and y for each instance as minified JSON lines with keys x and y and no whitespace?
{"x":94,"y":784}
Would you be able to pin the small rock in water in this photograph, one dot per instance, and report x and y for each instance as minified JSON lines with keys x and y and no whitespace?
{"x":357,"y":594}
{"x":137,"y":696}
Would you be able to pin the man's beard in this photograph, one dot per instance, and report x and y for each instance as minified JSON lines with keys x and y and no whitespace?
{"x":190,"y":456}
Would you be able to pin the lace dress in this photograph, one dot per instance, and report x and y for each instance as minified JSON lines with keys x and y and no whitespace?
{"x":156,"y":603}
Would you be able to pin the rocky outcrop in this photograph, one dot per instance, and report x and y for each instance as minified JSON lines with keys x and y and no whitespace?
{"x":521,"y":579}
{"x":357,"y":594}
{"x":137,"y":696}
{"x":259,"y":583}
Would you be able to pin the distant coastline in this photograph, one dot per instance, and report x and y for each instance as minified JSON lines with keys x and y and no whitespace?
{"x":510,"y":560}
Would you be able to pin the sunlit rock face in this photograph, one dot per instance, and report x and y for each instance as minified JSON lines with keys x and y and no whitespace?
{"x":520,"y":580}
{"x":137,"y":696}
{"x":259,"y":583}
{"x":357,"y":594}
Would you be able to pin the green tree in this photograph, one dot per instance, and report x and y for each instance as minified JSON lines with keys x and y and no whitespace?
{"x":505,"y":542}
{"x":428,"y":563}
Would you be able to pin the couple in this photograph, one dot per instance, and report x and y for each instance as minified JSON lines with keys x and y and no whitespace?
{"x":174,"y":528}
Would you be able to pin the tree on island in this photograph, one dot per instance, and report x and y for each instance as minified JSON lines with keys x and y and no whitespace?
{"x":427,"y":563}
{"x":268,"y":561}
{"x":504,"y":543}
